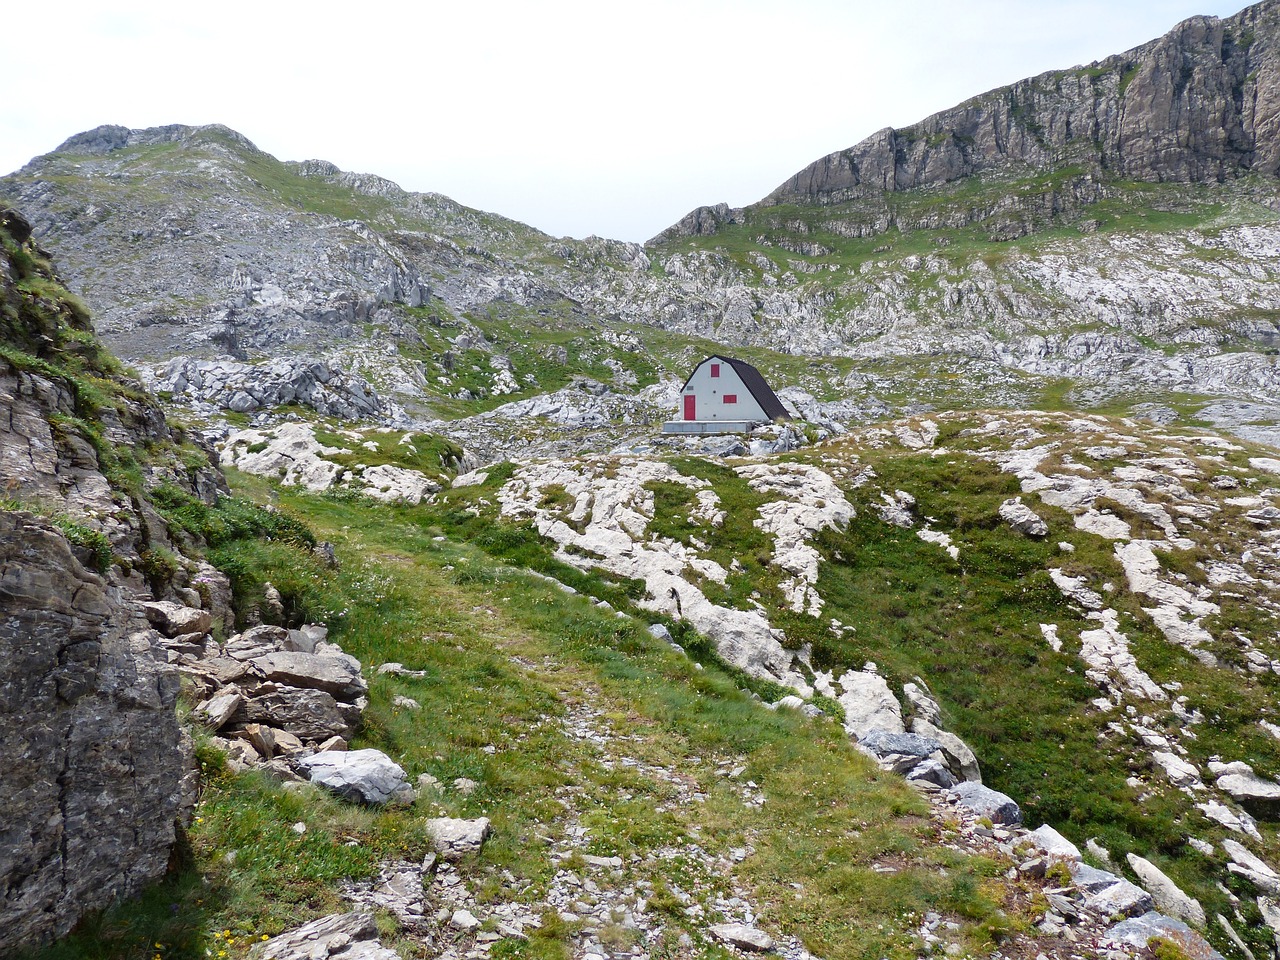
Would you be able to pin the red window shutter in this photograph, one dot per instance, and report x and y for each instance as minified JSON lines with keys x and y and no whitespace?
{"x":715,"y":369}
{"x":730,"y":398}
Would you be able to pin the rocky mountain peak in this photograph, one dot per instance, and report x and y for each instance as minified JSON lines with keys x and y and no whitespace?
{"x":1195,"y":105}
{"x":111,"y":137}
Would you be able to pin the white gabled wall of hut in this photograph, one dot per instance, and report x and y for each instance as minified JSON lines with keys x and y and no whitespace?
{"x":711,"y":386}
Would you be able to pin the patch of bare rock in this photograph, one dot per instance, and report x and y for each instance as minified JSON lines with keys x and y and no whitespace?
{"x":345,"y":936}
{"x":291,"y":453}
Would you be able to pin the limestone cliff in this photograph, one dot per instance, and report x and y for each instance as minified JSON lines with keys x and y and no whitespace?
{"x":1198,"y":104}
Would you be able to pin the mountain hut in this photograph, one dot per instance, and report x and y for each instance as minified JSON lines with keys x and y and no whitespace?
{"x":724,"y":395}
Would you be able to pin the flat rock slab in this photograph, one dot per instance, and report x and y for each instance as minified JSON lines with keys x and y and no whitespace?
{"x":362,"y":776}
{"x":1180,"y":772}
{"x":985,"y":802}
{"x":174,"y":619}
{"x":1138,"y":931}
{"x":218,"y":710}
{"x":219,"y":670}
{"x":1253,"y":868}
{"x":330,"y":674}
{"x":455,"y":839}
{"x":931,"y":771}
{"x":340,"y":936}
{"x":742,"y":936}
{"x":1170,"y":899}
{"x":1261,"y":797}
{"x":256,"y":642}
{"x":883,"y":743}
{"x":307,"y":714}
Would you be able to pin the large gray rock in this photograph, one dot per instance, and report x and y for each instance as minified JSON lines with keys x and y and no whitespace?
{"x":363,"y":776}
{"x":174,"y":619}
{"x":883,"y":743}
{"x":1022,"y":518}
{"x":1168,"y":896}
{"x":960,"y":759}
{"x":869,"y":704}
{"x":90,"y":747}
{"x":1107,"y":894}
{"x":344,"y":936}
{"x":1138,"y":932}
{"x":307,"y":714}
{"x":922,"y":703}
{"x":931,"y":772}
{"x":1261,"y":797}
{"x":455,"y":839}
{"x":256,"y":642}
{"x":742,"y":936}
{"x":331,"y":674}
{"x":1251,"y":867}
{"x":1053,"y":844}
{"x":985,"y":802}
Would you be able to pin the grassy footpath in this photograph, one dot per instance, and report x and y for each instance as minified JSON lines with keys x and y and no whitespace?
{"x":506,"y":653}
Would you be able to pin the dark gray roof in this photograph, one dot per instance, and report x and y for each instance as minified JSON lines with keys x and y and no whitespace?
{"x":754,"y":381}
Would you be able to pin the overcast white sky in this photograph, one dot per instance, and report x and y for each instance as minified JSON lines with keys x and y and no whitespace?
{"x":575,"y":116}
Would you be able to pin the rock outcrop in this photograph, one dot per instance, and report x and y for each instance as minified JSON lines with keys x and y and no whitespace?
{"x":245,"y":388}
{"x":89,"y":740}
{"x":346,"y":936}
{"x":1195,"y":105}
{"x":95,"y":767}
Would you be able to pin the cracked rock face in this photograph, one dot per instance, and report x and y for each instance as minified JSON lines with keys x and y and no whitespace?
{"x":89,"y":740}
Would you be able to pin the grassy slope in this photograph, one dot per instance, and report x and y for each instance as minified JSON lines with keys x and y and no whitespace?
{"x":972,"y":628}
{"x":503,"y":653}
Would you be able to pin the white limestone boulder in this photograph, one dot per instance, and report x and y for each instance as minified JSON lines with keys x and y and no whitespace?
{"x":362,"y":776}
{"x":175,"y":619}
{"x":982,"y":801}
{"x":1168,"y":896}
{"x":455,"y":838}
{"x":1139,"y":931}
{"x":743,"y":937}
{"x":1022,"y":518}
{"x":1053,"y":844}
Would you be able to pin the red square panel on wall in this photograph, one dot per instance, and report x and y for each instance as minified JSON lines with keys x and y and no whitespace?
{"x":730,"y":398}
{"x":715,"y":369}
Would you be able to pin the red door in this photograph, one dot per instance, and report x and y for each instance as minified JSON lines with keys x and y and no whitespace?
{"x":690,"y":407}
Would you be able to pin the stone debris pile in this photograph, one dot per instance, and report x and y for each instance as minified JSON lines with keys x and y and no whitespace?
{"x":280,"y":700}
{"x":1095,"y":912}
